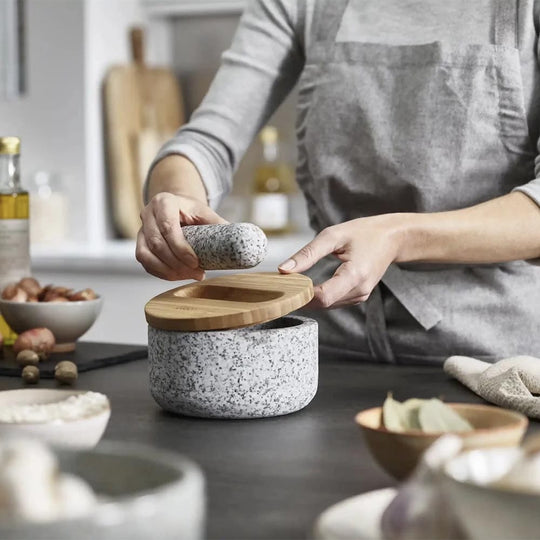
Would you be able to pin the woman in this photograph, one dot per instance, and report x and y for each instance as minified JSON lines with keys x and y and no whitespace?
{"x":417,"y":128}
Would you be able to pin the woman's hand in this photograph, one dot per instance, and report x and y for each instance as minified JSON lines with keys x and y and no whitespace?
{"x":161,"y":246}
{"x":177,"y":197}
{"x":366,"y":247}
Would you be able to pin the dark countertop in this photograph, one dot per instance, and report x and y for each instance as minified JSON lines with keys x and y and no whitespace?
{"x":271,"y":478}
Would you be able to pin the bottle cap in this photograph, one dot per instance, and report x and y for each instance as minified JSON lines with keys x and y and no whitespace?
{"x":10,"y":145}
{"x":269,"y":135}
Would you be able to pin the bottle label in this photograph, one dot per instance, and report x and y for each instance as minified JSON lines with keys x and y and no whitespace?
{"x":14,"y":250}
{"x":271,"y":210}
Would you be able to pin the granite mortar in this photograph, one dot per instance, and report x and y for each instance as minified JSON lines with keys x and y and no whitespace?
{"x":265,"y":370}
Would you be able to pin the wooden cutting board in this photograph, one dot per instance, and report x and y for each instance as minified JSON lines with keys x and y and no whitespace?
{"x":232,"y":301}
{"x":143,"y":107}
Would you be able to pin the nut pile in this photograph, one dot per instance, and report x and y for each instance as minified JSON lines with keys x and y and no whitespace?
{"x":28,"y":289}
{"x":65,"y":372}
{"x":35,"y":346}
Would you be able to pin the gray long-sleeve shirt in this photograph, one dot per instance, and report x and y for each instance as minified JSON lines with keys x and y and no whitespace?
{"x":267,"y":57}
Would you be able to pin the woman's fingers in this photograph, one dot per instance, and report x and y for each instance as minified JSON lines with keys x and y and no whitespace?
{"x":162,"y":248}
{"x":350,"y":300}
{"x":321,"y":246}
{"x":158,"y":246}
{"x":343,"y":284}
{"x":163,"y":234}
{"x":366,"y":247}
{"x":155,"y":266}
{"x":203,"y":216}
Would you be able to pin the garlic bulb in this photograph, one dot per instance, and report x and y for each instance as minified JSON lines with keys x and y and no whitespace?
{"x":420,"y":511}
{"x":33,"y":489}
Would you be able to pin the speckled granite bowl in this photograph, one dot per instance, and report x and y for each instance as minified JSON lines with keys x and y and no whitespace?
{"x":265,"y":370}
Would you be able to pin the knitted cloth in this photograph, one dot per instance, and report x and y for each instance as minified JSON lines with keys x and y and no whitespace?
{"x":509,"y":383}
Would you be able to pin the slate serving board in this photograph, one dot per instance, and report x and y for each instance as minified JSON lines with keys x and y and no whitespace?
{"x":87,"y":356}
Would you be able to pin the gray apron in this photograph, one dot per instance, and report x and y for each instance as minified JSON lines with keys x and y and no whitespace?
{"x":418,"y":128}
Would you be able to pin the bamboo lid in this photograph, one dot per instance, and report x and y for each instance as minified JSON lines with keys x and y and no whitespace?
{"x":232,"y":301}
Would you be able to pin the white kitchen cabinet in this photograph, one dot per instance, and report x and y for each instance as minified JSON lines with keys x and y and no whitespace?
{"x":168,"y":8}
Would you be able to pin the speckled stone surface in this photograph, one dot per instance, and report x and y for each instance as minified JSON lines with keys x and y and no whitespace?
{"x":228,"y":246}
{"x":265,"y":370}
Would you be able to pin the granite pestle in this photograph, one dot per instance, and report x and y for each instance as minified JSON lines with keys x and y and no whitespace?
{"x":227,"y":246}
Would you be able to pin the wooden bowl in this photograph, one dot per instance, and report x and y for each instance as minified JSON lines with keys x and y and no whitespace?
{"x":399,"y":453}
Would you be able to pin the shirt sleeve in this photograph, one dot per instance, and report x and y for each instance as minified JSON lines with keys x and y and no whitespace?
{"x":256,"y":74}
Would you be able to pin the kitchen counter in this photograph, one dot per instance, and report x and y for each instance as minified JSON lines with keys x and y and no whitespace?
{"x":269,"y":479}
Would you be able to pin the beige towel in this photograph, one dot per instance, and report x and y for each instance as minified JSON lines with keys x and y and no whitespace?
{"x":509,"y":383}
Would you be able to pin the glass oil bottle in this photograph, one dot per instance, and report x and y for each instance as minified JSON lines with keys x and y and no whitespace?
{"x":272,"y":188}
{"x":14,"y":223}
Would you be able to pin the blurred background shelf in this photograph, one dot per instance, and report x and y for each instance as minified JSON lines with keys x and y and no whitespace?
{"x":193,"y":7}
{"x":118,"y":256}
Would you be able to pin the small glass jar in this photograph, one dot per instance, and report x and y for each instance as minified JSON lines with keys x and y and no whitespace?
{"x":48,"y":209}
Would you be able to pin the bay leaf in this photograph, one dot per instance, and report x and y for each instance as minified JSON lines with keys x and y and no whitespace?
{"x":412,"y":409}
{"x":436,"y":417}
{"x":394,"y":415}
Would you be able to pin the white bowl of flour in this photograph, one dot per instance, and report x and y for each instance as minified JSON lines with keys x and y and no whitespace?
{"x":63,"y":418}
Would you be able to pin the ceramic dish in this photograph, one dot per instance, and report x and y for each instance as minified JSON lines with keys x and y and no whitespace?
{"x":143,"y":493}
{"x":264,"y":370}
{"x":68,"y":321}
{"x":357,"y":518}
{"x":488,"y":512}
{"x":82,"y":433}
{"x":399,"y":453}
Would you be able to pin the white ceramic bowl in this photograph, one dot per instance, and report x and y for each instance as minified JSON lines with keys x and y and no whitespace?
{"x":79,"y":434}
{"x":68,"y":321}
{"x":143,"y":493}
{"x":488,"y":512}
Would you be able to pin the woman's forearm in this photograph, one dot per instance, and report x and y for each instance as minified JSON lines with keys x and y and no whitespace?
{"x":503,"y":229}
{"x":177,"y":175}
{"x":500,"y":230}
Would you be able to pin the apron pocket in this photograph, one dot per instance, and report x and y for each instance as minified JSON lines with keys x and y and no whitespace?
{"x":514,"y":129}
